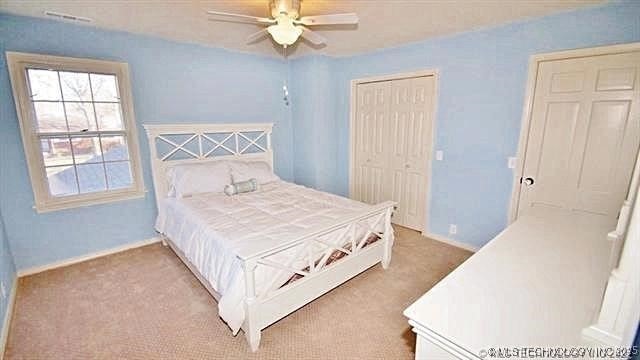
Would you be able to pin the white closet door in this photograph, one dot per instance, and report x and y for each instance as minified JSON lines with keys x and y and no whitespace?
{"x":400,"y":114}
{"x":419,"y":151}
{"x":392,"y":145}
{"x":411,"y":109}
{"x":370,"y":142}
{"x":584,"y":136}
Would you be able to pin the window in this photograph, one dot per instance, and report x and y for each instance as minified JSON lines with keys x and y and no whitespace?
{"x":78,"y":130}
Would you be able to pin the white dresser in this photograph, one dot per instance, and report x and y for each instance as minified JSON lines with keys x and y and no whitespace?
{"x":537,"y":284}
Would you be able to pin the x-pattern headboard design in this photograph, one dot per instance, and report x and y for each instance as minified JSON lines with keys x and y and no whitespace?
{"x":174,"y":144}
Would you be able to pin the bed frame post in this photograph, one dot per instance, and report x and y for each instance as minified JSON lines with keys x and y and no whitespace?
{"x":250,"y":327}
{"x":388,"y":238}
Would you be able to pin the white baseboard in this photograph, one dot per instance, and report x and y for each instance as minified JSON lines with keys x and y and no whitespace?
{"x":4,"y":332}
{"x":75,"y":260}
{"x":451,"y":242}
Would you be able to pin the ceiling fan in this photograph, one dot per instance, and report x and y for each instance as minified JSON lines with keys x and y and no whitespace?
{"x":286,"y":25}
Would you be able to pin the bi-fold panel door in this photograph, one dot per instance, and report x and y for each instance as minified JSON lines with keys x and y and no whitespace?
{"x":392,"y":135}
{"x":371,"y":145}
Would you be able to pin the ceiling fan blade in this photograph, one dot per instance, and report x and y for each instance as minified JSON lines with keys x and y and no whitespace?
{"x":313,"y":37}
{"x":257,"y":36}
{"x":334,"y":19}
{"x":257,"y":19}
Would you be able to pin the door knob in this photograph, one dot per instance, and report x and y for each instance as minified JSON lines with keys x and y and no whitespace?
{"x":528,"y":181}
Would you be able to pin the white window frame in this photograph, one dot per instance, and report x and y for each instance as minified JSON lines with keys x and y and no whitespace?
{"x":18,"y":64}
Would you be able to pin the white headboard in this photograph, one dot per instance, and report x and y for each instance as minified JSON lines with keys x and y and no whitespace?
{"x":174,"y":144}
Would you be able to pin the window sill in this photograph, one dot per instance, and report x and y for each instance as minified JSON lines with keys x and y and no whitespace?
{"x":85,"y":201}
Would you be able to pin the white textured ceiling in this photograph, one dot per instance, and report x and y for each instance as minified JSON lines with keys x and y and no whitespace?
{"x":382,"y":23}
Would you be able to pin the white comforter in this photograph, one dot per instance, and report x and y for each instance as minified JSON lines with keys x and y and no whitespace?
{"x":213,"y":230}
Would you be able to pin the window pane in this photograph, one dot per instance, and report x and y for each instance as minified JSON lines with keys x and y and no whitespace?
{"x":114,"y":148}
{"x":80,"y":116}
{"x":75,"y":86}
{"x":109,"y":116}
{"x":91,"y":178}
{"x":50,"y":117}
{"x":119,"y":174}
{"x":104,"y":87}
{"x":44,"y":84}
{"x":62,"y":180}
{"x":56,"y":152}
{"x":86,"y":149}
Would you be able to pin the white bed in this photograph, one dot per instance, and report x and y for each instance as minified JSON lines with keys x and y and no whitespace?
{"x":246,"y":248}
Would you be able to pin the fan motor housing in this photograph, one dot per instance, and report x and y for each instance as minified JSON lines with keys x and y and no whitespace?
{"x":290,"y":7}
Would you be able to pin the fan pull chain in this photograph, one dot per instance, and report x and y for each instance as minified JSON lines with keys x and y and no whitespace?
{"x":285,"y":91}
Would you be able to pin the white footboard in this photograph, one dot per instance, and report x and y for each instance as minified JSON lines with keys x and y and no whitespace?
{"x":318,"y":277}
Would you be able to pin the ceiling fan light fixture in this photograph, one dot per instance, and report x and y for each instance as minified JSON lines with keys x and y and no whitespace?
{"x":286,"y":25}
{"x":284,"y":32}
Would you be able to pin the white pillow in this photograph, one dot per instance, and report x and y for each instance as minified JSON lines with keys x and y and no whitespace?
{"x":246,"y":170}
{"x":189,"y":179}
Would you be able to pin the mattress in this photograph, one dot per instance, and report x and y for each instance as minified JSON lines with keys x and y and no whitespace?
{"x":214,"y":231}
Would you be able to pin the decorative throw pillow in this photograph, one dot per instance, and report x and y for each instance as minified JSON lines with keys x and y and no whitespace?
{"x":241,"y":187}
{"x":245,"y":170}
{"x":188,"y":179}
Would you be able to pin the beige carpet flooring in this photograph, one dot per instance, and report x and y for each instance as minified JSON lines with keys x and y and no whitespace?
{"x":145,"y":304}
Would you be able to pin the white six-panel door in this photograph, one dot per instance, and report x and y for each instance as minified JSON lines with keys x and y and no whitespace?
{"x":583,"y":137}
{"x":393,"y":134}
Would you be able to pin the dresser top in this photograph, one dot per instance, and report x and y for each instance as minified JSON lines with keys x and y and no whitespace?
{"x":538,"y":283}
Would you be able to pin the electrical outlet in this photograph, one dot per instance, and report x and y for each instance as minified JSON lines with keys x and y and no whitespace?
{"x":3,"y":290}
{"x":511,"y":163}
{"x":453,"y":229}
{"x":439,"y":155}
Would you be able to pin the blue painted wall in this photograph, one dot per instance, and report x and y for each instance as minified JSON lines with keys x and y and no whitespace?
{"x":7,"y":271}
{"x":482,"y":85}
{"x":171,"y":82}
{"x":313,"y":108}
